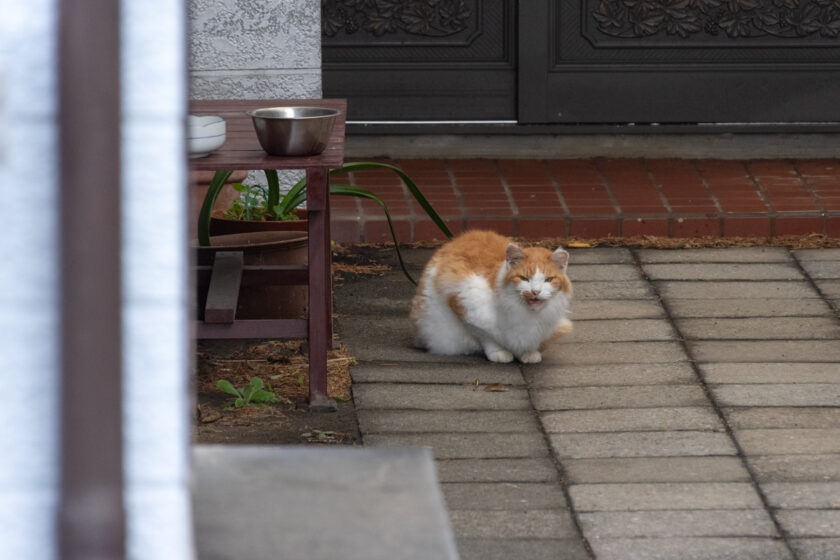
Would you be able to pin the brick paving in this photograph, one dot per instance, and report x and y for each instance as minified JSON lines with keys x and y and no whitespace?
{"x":598,"y":198}
{"x":694,"y":413}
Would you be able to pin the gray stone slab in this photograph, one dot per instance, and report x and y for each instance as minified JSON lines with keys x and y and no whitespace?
{"x":749,"y":307}
{"x":530,"y":549}
{"x":497,"y":470}
{"x":766,"y":351}
{"x":806,"y":255}
{"x":796,"y":468}
{"x":692,"y":548}
{"x":438,"y":397}
{"x":612,"y":290}
{"x":783,"y":417}
{"x":497,"y":421}
{"x":664,"y":496}
{"x":620,"y":330}
{"x":735,"y":290}
{"x":727,"y":271}
{"x":512,"y":496}
{"x":810,"y":523}
{"x":375,"y":295}
{"x":538,"y":524}
{"x":547,"y":376}
{"x":782,"y":394}
{"x":634,"y":396}
{"x":788,"y":328}
{"x":771,"y":373}
{"x":467,"y":446}
{"x":604,"y":272}
{"x":615,"y":309}
{"x":789,"y":442}
{"x":632,"y":419}
{"x":802,"y":495}
{"x":733,"y":255}
{"x":485,"y":371}
{"x":816,"y":549}
{"x":829,"y":288}
{"x":641,"y":444}
{"x":822,"y":269}
{"x":378,"y":503}
{"x":600,"y":255}
{"x":693,"y":523}
{"x":656,"y":469}
{"x":613,"y":353}
{"x":387,"y":339}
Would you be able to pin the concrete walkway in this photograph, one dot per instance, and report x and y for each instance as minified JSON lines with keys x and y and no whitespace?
{"x":694,"y":412}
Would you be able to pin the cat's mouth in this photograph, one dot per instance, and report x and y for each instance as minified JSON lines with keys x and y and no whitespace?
{"x":534,"y":301}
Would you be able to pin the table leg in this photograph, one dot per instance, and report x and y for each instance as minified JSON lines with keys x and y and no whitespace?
{"x":319,"y":288}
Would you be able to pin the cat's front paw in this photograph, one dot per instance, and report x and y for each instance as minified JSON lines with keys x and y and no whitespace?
{"x":499,"y":356}
{"x":531,"y":357}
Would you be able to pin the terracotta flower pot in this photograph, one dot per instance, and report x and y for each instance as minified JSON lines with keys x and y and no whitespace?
{"x":262,"y":248}
{"x":200,"y":182}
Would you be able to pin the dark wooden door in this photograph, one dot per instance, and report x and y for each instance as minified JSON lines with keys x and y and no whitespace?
{"x":421,"y":59}
{"x":679,"y":61}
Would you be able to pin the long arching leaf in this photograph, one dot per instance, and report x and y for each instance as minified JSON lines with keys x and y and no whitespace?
{"x":219,"y":180}
{"x":351,"y":190}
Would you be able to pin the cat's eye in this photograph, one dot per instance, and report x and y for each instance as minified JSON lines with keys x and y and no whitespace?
{"x":524,"y":278}
{"x":550,"y":279}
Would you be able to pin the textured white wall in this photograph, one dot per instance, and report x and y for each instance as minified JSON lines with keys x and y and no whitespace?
{"x":28,"y":288}
{"x":155,"y":291}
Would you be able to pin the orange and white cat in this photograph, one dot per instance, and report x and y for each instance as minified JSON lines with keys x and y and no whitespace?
{"x":482,"y":292}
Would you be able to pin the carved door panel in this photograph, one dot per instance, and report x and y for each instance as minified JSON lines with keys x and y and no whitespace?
{"x":421,"y":59}
{"x":679,"y":61}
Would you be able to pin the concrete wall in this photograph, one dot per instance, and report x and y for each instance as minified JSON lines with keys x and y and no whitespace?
{"x":155,"y":334}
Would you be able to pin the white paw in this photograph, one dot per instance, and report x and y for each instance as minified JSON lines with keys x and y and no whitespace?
{"x":500,"y":356}
{"x":531,"y":357}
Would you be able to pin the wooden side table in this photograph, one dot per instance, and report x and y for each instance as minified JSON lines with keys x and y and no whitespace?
{"x":242,"y":151}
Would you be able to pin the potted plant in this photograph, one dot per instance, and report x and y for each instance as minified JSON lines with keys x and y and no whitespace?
{"x":260,"y":205}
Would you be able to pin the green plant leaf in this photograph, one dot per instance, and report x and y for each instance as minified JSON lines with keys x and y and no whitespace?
{"x":227,"y":387}
{"x":252,"y":387}
{"x":219,"y":179}
{"x":413,"y":189}
{"x":239,"y":187}
{"x":263,"y":396}
{"x":239,"y":403}
{"x":273,"y":198}
{"x":351,"y":190}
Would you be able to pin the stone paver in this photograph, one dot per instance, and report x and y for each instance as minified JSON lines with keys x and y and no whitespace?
{"x":664,"y":496}
{"x":766,"y":351}
{"x":787,"y":442}
{"x":438,"y":397}
{"x":698,"y":548}
{"x":541,"y":376}
{"x":511,"y":496}
{"x":780,"y":394}
{"x":732,"y":271}
{"x":656,"y":469}
{"x":641,"y":444}
{"x":507,"y":374}
{"x":806,"y":328}
{"x":796,"y":468}
{"x":695,"y":523}
{"x":749,"y":307}
{"x":665,"y":422}
{"x":736,"y":289}
{"x":633,"y":419}
{"x":632,"y":396}
{"x":771,"y":373}
{"x":584,"y":353}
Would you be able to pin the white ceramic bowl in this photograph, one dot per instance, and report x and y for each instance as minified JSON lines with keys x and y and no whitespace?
{"x":205,"y":134}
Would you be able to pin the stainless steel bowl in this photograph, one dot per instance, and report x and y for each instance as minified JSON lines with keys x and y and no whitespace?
{"x":293,"y":131}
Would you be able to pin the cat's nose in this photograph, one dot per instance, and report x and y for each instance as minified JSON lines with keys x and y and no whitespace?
{"x":535,"y":292}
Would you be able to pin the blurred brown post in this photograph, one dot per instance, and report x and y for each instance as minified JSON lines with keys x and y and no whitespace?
{"x":91,"y":524}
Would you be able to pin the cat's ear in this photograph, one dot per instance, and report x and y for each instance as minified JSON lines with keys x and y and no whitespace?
{"x":514,"y":255}
{"x":560,"y":258}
